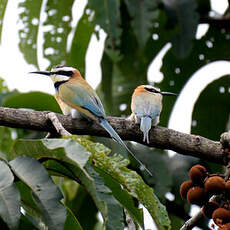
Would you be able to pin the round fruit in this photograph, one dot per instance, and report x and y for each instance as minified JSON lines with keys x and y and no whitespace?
{"x":214,"y":185}
{"x":225,"y":227}
{"x":221,"y":216}
{"x":209,"y":208}
{"x":197,"y":174}
{"x":185,"y":186}
{"x":196,"y":195}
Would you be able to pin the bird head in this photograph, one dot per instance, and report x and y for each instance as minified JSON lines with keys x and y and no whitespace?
{"x":155,"y":90}
{"x":59,"y":74}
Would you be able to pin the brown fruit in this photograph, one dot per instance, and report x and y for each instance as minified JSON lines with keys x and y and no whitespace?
{"x":197,"y":174}
{"x":214,"y":185}
{"x":225,"y":227}
{"x":196,"y":195}
{"x":185,"y":186}
{"x":227,"y":185}
{"x":221,"y":216}
{"x":209,"y":208}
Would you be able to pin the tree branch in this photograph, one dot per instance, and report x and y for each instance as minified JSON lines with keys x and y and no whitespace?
{"x":160,"y":137}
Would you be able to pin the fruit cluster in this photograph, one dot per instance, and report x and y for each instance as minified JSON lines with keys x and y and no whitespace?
{"x":199,"y":189}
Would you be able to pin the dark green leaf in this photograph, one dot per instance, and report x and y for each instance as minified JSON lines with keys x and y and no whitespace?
{"x":177,"y":71}
{"x":107,"y":16}
{"x":46,"y":193}
{"x":212,"y":107}
{"x":32,"y":100}
{"x":114,"y":219}
{"x":9,"y":197}
{"x":143,"y":14}
{"x":3,"y":4}
{"x":115,"y":166}
{"x":124,"y":198}
{"x":10,"y":206}
{"x":81,"y":39}
{"x":59,"y":16}
{"x":71,"y":221}
{"x":29,"y":18}
{"x":184,"y":13}
{"x":7,"y":176}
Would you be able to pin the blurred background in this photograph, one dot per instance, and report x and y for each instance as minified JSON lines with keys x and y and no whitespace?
{"x":179,"y":46}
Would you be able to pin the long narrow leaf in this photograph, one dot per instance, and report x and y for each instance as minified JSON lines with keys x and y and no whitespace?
{"x":47,"y":194}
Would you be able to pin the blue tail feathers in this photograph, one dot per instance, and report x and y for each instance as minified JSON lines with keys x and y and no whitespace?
{"x":145,"y":126}
{"x":105,"y":124}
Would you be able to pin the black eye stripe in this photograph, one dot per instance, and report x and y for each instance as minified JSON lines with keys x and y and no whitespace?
{"x":152,"y":90}
{"x":63,"y":72}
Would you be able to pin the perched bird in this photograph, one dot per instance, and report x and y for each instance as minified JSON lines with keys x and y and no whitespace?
{"x":76,"y":97}
{"x":146,"y":106}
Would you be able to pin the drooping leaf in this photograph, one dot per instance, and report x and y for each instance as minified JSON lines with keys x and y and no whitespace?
{"x":46,"y":193}
{"x":115,"y":166}
{"x":184,"y":15}
{"x":30,"y":19}
{"x":59,"y":16}
{"x":6,"y":176}
{"x":3,"y":4}
{"x":32,"y":100}
{"x":9,"y":197}
{"x":143,"y":14}
{"x":107,"y":16}
{"x":81,"y":39}
{"x":10,"y":206}
{"x":73,"y":157}
{"x":114,"y":219}
{"x":71,"y":221}
{"x":124,"y":198}
{"x":213,"y":104}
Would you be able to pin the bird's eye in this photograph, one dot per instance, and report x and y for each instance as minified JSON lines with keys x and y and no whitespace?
{"x":63,"y":73}
{"x":151,"y":90}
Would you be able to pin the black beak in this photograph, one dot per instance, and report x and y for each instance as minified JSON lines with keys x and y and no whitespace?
{"x":47,"y":73}
{"x":168,"y":94}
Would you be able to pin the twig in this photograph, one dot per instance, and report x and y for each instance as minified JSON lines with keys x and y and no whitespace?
{"x":57,"y":124}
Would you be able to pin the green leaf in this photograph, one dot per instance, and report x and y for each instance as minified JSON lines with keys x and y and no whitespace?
{"x":46,"y":193}
{"x":6,"y":141}
{"x":214,"y":104}
{"x":157,"y":162}
{"x":211,"y":47}
{"x":59,"y":16}
{"x":9,"y":197}
{"x":29,"y":18}
{"x":7,"y":176}
{"x":81,"y":39}
{"x":143,"y":14}
{"x":124,"y":198}
{"x":184,"y":13}
{"x":32,"y":100}
{"x":114,"y":219}
{"x":107,"y":16}
{"x":71,"y":221}
{"x":115,"y":166}
{"x":72,"y":156}
{"x":3,"y":4}
{"x":10,"y":206}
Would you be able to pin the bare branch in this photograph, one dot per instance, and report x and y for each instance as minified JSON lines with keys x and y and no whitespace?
{"x":57,"y":124}
{"x":160,"y":137}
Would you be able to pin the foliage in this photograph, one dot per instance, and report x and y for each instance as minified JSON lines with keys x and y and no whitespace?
{"x":86,"y":177}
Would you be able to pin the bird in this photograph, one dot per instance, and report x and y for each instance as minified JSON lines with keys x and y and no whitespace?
{"x":76,"y":97}
{"x":146,"y":106}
